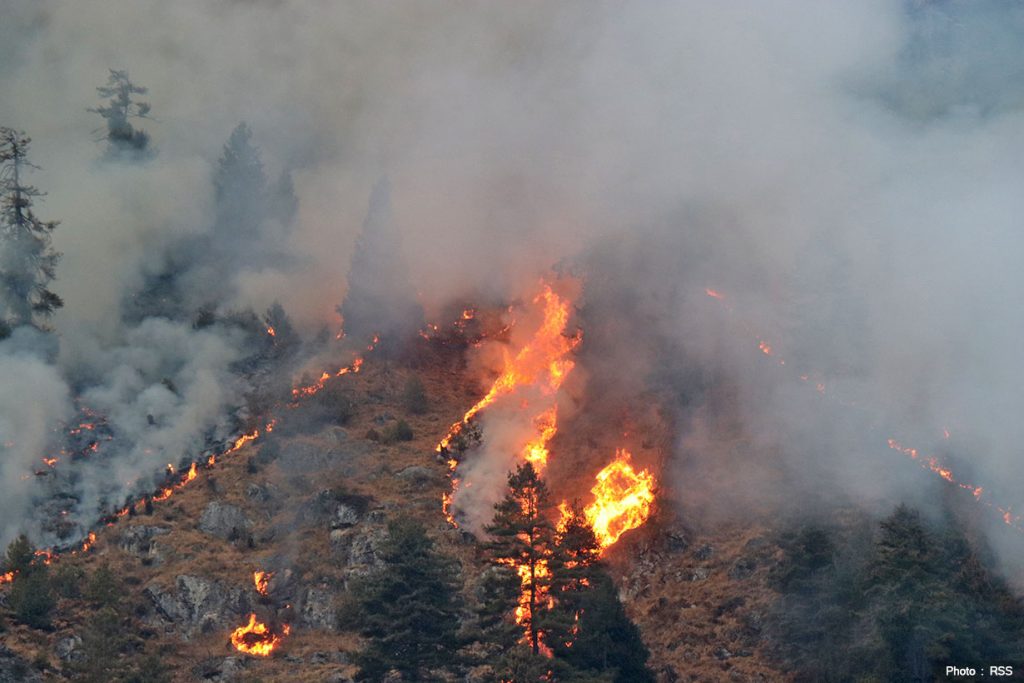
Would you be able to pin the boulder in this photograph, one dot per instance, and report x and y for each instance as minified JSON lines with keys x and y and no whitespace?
{"x":139,"y":540}
{"x":224,"y":521}
{"x":200,"y":605}
{"x":67,"y":649}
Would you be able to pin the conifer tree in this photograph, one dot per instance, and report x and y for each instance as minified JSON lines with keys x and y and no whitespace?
{"x":523,"y":537}
{"x":380,"y":300}
{"x":27,"y":260}
{"x":407,"y":609}
{"x":122,"y":137}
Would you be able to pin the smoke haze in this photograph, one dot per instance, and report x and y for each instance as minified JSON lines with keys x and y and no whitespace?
{"x":846,"y":175}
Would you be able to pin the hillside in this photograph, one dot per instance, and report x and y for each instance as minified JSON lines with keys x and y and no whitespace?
{"x":308,"y":503}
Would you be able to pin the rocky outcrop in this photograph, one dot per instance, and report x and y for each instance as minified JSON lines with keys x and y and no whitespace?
{"x":140,"y":541}
{"x":14,"y":669}
{"x":199,"y":605}
{"x":224,"y":521}
{"x":318,"y":609}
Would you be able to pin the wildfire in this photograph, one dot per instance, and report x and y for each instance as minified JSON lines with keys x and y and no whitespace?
{"x":262,"y":581}
{"x":544,"y":354}
{"x":256,"y":638}
{"x":310,"y":389}
{"x":622,"y":499}
{"x":271,"y":331}
{"x":541,"y":363}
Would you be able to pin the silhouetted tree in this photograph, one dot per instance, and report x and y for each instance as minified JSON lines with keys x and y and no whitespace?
{"x":408,"y":609}
{"x":380,"y":301}
{"x":122,"y":137}
{"x":27,"y":260}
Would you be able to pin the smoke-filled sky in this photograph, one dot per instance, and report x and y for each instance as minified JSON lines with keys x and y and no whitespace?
{"x":846,"y":172}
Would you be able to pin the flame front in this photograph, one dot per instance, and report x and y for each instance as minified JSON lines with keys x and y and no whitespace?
{"x":256,"y":638}
{"x":622,"y":499}
{"x":543,"y":363}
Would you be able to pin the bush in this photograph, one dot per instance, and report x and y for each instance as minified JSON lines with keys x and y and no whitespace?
{"x":68,"y":579}
{"x":414,"y":398}
{"x":32,"y":599}
{"x":400,"y":431}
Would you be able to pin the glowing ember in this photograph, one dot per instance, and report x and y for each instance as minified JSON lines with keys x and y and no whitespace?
{"x":6,"y":578}
{"x":262,"y":581}
{"x":271,"y":331}
{"x":256,"y":638}
{"x":622,"y":499}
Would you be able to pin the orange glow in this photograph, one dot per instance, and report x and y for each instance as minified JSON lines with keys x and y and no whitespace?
{"x":622,"y":499}
{"x":262,"y":581}
{"x":6,"y":578}
{"x":255,"y":638}
{"x":271,"y":331}
{"x":310,"y":389}
{"x":542,"y":363}
{"x":713,"y":293}
{"x":543,"y":356}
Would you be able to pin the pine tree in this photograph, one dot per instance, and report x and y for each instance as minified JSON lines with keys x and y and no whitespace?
{"x":122,"y":137}
{"x":588,"y":628}
{"x":523,"y":537}
{"x":380,"y":301}
{"x":31,"y":596}
{"x":240,"y":185}
{"x":27,"y":260}
{"x":408,"y":609}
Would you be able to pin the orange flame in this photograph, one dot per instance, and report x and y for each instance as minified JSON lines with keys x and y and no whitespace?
{"x":262,"y":581}
{"x":310,"y":389}
{"x":255,"y":638}
{"x":622,"y":499}
{"x":543,"y":363}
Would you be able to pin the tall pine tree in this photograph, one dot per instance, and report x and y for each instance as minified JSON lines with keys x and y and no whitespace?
{"x":408,"y":609}
{"x":380,"y":301}
{"x":28,"y":262}
{"x":523,"y":537}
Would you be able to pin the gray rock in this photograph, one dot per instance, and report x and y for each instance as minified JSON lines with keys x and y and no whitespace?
{"x":200,"y":605}
{"x":67,"y":650}
{"x":364,"y":548}
{"x":704,"y":552}
{"x":224,"y":521}
{"x":14,"y":669}
{"x":699,"y":574}
{"x":139,"y":540}
{"x":318,"y":609}
{"x":344,"y":516}
{"x":417,"y":474}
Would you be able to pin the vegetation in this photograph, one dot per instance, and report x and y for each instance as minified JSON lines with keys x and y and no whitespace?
{"x":571,"y":608}
{"x":122,"y":137}
{"x":890,"y":605}
{"x":414,"y":396}
{"x":408,"y":609}
{"x":28,"y":262}
{"x":31,"y":597}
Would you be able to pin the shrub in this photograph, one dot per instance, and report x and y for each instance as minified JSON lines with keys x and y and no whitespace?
{"x":414,"y":398}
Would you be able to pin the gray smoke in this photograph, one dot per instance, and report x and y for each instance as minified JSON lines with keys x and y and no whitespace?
{"x":847,"y":174}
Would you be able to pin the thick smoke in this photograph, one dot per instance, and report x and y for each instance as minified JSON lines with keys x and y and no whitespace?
{"x":845,"y":174}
